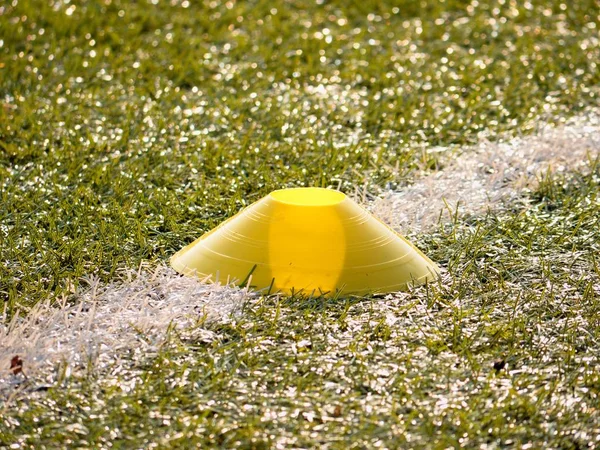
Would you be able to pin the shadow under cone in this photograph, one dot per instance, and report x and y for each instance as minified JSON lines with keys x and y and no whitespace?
{"x":307,"y":239}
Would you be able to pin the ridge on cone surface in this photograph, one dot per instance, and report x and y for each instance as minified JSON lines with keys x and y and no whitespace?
{"x":312,"y":240}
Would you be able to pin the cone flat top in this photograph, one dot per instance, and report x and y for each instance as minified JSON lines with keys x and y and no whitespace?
{"x":308,"y":196}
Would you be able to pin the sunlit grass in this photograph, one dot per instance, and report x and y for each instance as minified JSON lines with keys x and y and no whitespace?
{"x":503,"y":352}
{"x":127,"y":129}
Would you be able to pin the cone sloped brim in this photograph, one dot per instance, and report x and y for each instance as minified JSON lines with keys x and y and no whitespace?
{"x":307,"y":239}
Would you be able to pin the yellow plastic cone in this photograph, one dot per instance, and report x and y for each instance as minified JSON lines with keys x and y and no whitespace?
{"x":307,"y":239}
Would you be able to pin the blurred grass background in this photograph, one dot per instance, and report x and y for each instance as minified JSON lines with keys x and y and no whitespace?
{"x":129,"y":128}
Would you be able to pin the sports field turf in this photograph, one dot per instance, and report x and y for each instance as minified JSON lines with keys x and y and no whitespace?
{"x":127,"y":129}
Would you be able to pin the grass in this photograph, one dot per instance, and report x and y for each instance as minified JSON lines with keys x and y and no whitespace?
{"x":503,"y":353}
{"x":129,"y":128}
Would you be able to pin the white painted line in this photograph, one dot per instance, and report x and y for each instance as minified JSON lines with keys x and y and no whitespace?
{"x":126,"y":320}
{"x":491,"y":175}
{"x":130,"y":318}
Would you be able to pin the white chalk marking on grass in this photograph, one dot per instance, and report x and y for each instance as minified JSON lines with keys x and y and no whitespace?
{"x":491,"y":175}
{"x":130,"y":318}
{"x":108,"y":323}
